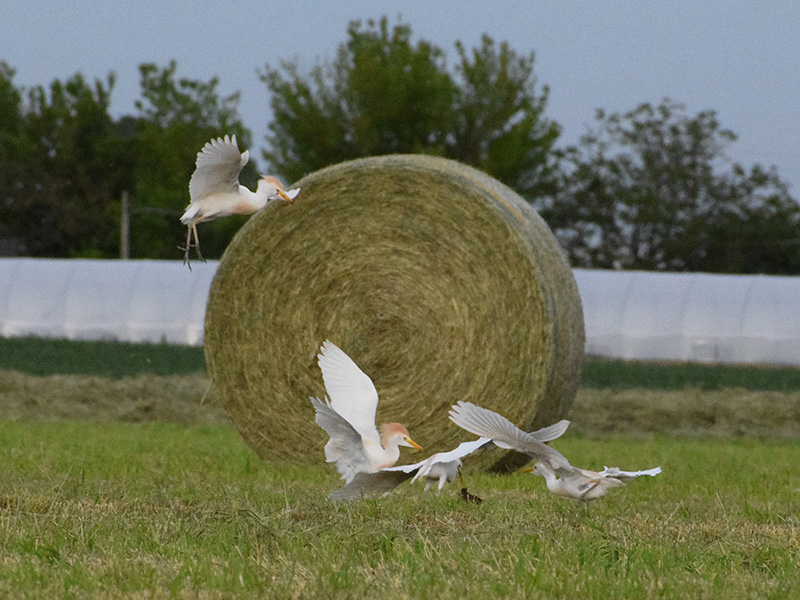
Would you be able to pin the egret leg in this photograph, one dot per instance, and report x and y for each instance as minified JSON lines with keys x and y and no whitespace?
{"x":186,"y":249}
{"x":588,"y":489}
{"x":190,"y":233}
{"x":197,"y":243}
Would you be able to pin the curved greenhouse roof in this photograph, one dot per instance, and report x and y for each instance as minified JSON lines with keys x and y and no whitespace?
{"x":631,"y":315}
{"x":134,"y":301}
{"x":692,"y":317}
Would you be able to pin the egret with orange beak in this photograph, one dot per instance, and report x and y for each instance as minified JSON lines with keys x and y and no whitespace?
{"x":215,"y":191}
{"x":349,"y":418}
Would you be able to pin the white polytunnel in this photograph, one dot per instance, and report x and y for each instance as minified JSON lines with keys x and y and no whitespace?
{"x":131,"y":300}
{"x":691,"y":317}
{"x":629,"y":315}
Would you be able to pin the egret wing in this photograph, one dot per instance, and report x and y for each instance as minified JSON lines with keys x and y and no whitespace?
{"x":345,"y":447}
{"x":453,"y":456}
{"x":385,"y":480}
{"x":551,"y":432}
{"x":407,"y":468}
{"x":352,"y":393}
{"x":484,"y":422}
{"x":459,"y":452}
{"x":623,"y":475}
{"x":217,"y":168}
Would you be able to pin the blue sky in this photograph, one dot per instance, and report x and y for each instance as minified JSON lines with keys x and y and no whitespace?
{"x":741,"y":59}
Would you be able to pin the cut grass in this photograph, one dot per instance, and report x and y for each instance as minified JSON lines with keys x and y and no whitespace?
{"x":179,"y":510}
{"x":189,"y":399}
{"x":112,"y":510}
{"x":37,"y":356}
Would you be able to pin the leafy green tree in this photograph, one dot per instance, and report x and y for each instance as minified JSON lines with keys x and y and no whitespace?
{"x":653,"y":189}
{"x":384,"y":94}
{"x":63,"y":167}
{"x":12,"y":149}
{"x":500,"y":126}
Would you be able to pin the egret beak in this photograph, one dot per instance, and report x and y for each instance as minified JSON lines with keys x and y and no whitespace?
{"x":285,"y":196}
{"x":412,"y":443}
{"x":533,"y":469}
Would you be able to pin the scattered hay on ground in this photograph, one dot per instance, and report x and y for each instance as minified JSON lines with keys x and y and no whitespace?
{"x":690,"y":411}
{"x":176,"y":398}
{"x":725,"y":413}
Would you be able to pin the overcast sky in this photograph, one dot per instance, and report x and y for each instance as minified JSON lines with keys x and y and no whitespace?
{"x":739,"y":58}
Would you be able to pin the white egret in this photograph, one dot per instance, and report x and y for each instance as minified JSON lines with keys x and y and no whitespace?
{"x":349,"y":418}
{"x":561,"y":477}
{"x":587,"y":485}
{"x":215,"y":191}
{"x":442,"y":467}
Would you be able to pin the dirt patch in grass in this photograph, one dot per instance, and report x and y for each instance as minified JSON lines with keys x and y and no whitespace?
{"x":190,"y":399}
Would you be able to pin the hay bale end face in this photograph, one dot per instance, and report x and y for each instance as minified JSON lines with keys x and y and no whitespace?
{"x":439,"y":282}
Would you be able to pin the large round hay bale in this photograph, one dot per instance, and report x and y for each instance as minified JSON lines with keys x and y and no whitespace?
{"x":440,"y":282}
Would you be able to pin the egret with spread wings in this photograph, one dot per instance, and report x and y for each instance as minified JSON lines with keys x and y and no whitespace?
{"x":349,"y":418}
{"x":562,"y":478}
{"x":215,"y":191}
{"x":441,"y":467}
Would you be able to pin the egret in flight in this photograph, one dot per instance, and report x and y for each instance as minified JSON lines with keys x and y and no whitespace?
{"x":587,"y":485}
{"x":561,"y":477}
{"x":440,"y":467}
{"x":215,"y":191}
{"x":349,"y":418}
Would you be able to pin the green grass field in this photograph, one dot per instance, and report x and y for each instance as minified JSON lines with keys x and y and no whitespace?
{"x":183,"y":509}
{"x":37,"y":356}
{"x":165,"y":511}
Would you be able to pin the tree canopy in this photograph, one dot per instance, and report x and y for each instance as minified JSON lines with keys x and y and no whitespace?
{"x":653,"y":189}
{"x":65,"y":162}
{"x":60,"y":167}
{"x":384,"y":94}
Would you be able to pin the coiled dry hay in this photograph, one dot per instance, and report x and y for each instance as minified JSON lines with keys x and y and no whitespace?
{"x":441,"y":283}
